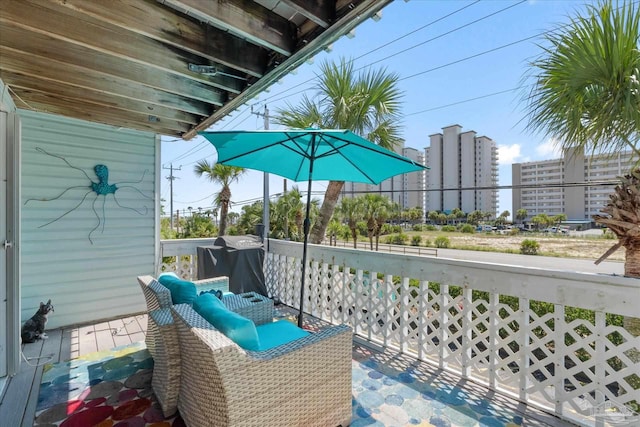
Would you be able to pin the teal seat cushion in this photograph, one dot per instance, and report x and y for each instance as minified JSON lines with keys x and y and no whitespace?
{"x":182,"y":291}
{"x":278,"y":333}
{"x":239,"y":329}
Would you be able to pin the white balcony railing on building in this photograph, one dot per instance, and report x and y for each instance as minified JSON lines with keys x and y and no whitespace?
{"x":550,"y":338}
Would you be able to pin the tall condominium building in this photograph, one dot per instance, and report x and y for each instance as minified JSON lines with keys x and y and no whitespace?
{"x":541,"y":187}
{"x":463,"y":172}
{"x":406,"y":189}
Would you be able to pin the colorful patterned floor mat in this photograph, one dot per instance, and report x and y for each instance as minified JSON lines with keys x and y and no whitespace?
{"x":113,"y":389}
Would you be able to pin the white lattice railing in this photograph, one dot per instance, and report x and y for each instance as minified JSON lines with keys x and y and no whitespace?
{"x":545,"y":337}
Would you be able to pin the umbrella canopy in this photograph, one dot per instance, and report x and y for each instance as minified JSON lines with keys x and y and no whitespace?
{"x":310,"y":154}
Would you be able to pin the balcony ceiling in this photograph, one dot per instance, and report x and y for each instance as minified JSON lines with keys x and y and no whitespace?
{"x":172,"y":67}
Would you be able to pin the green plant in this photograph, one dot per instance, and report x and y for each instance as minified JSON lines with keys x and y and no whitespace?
{"x":416,"y":240}
{"x":430,"y":227}
{"x":468,"y":228}
{"x":448,"y":228}
{"x":417,"y":227}
{"x":399,"y":239}
{"x":529,"y":247}
{"x":442,"y":242}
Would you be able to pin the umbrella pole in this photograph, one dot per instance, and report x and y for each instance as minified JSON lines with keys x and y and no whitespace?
{"x":304,"y":253}
{"x":306,"y":239}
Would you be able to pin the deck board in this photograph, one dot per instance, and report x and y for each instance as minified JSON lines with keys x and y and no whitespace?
{"x":20,"y":398}
{"x":19,"y":402}
{"x":49,"y":354}
{"x":16,"y":397}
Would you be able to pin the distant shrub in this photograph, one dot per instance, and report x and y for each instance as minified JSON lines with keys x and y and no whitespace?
{"x":396,"y":229}
{"x":386,"y":229}
{"x":448,"y":228}
{"x":529,"y":247}
{"x":427,"y":242}
{"x":442,"y":242}
{"x":399,"y":239}
{"x":417,"y":227}
{"x":468,"y":228}
{"x":514,"y":231}
{"x":431,"y":227}
{"x":416,"y":240}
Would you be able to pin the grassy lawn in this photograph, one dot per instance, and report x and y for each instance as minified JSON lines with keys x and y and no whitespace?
{"x":551,"y":244}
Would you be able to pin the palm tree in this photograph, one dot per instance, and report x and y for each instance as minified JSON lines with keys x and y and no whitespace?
{"x":350,"y":209}
{"x":373,"y":206}
{"x":521,"y":215}
{"x":587,"y":94}
{"x":224,"y":175}
{"x":367,"y":104}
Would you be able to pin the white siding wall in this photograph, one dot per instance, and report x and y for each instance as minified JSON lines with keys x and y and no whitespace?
{"x":86,"y":281}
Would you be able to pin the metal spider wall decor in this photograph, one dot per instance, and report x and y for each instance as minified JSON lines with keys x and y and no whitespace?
{"x":101,"y":187}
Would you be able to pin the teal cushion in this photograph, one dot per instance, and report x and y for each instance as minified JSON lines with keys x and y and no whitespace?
{"x":205,"y":303}
{"x":277,"y":333}
{"x":239,"y":329}
{"x":182,"y":291}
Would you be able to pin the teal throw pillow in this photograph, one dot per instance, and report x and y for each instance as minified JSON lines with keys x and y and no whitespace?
{"x":237,"y":328}
{"x":204,"y":303}
{"x":182,"y":291}
{"x":278,"y":333}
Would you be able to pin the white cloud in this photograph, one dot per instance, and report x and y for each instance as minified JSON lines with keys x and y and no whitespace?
{"x":549,"y":149}
{"x":508,"y":154}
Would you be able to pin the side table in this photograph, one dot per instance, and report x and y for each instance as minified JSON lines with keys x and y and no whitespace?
{"x":252,"y":306}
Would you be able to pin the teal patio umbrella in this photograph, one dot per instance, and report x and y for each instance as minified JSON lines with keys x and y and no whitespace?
{"x":310,"y":154}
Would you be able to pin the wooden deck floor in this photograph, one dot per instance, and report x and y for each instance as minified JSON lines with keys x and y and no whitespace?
{"x":20,"y":396}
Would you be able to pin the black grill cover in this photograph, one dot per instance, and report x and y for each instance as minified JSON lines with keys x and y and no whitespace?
{"x":240,"y":258}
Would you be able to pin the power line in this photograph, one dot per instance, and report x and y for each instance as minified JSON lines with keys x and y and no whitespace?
{"x":416,"y":30}
{"x":464,"y":101}
{"x":392,"y":41}
{"x":443,"y":34}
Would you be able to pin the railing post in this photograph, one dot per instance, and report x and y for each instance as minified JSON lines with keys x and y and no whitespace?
{"x":443,"y":319}
{"x":388,"y":321}
{"x":404,"y":320}
{"x":494,"y":330}
{"x":467,"y":326}
{"x":422,"y":313}
{"x":524,"y":343}
{"x":559,"y":368}
{"x":373,"y":278}
{"x":600,"y":363}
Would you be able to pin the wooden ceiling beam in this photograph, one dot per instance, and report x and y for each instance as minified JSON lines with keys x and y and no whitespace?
{"x":47,"y":69}
{"x":64,"y":24}
{"x":36,"y":84}
{"x":319,"y":11}
{"x":19,"y":39}
{"x":243,"y":18}
{"x":95,"y":113}
{"x":348,"y":20}
{"x":158,"y":22}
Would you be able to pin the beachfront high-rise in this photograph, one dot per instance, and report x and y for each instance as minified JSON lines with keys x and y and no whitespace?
{"x":407,"y":190}
{"x":463,"y":172}
{"x":545,"y":186}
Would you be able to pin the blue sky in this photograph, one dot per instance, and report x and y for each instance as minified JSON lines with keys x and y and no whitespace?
{"x":423,"y":60}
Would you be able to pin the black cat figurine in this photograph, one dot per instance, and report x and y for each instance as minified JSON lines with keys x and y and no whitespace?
{"x":33,"y":329}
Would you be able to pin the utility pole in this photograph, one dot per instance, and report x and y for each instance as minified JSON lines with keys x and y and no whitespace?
{"x":171,"y":177}
{"x":265,"y":180}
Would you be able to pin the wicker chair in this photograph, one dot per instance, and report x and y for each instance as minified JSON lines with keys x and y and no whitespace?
{"x":162,"y":339}
{"x":304,"y":383}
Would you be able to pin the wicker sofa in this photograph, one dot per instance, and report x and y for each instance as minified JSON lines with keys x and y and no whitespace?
{"x":306,"y":382}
